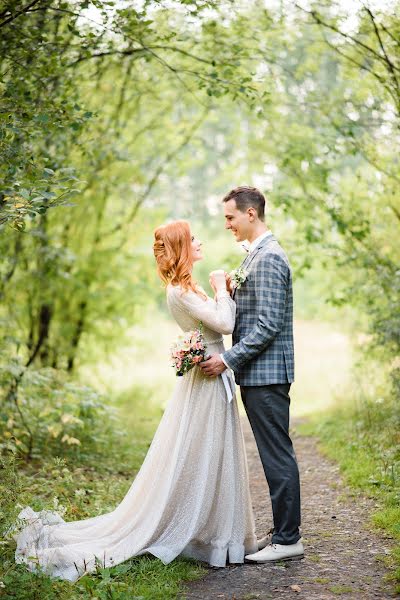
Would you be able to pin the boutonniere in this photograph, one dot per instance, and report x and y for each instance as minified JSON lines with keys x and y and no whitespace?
{"x":238,"y":276}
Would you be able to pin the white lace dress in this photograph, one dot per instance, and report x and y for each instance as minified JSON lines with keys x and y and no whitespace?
{"x":191,"y":496}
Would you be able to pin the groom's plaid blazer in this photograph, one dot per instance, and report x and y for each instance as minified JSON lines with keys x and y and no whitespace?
{"x":262,"y":351}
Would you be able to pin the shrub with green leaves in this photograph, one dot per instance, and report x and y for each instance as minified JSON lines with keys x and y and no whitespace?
{"x":43,"y":412}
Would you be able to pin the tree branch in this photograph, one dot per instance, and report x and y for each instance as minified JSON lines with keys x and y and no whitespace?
{"x":392,"y":68}
{"x":14,"y":261}
{"x":381,"y":80}
{"x":12,"y":396}
{"x":346,"y":36}
{"x":17,"y":14}
{"x":396,"y":211}
{"x":129,"y":52}
{"x":390,"y":34}
{"x":144,"y":49}
{"x":152,"y":182}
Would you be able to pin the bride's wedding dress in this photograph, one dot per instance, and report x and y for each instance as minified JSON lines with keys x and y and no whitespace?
{"x":191,"y":496}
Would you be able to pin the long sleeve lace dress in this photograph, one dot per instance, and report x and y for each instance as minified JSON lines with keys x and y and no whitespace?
{"x":191,"y":496}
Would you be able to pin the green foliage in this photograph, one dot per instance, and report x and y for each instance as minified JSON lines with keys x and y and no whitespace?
{"x":171,"y":138}
{"x":44,"y":414}
{"x":140,"y":579}
{"x":40,"y":117}
{"x":81,"y":272}
{"x":117,"y":118}
{"x":79,"y":486}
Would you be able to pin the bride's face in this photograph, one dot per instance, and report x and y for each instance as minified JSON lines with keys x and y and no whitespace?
{"x":196,"y":249}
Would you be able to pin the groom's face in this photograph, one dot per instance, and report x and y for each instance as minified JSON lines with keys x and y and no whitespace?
{"x":238,"y":222}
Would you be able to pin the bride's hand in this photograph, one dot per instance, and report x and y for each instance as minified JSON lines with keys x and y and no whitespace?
{"x":217,"y":280}
{"x":211,"y":282}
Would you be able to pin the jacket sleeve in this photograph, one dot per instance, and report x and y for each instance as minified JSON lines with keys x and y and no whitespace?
{"x":271,"y":283}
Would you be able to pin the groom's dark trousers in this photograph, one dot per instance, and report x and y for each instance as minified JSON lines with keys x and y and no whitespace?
{"x":262,"y":358}
{"x":267,"y":409}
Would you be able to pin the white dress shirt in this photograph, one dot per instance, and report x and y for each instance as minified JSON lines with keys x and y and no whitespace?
{"x":255,"y":242}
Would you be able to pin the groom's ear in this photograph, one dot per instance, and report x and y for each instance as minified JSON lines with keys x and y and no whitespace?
{"x":252,"y":213}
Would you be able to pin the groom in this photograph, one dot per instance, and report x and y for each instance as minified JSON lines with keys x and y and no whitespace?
{"x":263,"y":362}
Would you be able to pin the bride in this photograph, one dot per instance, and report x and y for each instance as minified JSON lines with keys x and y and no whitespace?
{"x":191,"y":496}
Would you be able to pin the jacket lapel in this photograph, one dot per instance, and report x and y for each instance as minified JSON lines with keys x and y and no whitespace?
{"x":249,"y":259}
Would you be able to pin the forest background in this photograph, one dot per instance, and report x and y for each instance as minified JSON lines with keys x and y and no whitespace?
{"x":117,"y":116}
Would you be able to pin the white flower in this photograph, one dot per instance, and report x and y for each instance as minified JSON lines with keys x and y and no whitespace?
{"x":61,"y":510}
{"x":238,"y":277}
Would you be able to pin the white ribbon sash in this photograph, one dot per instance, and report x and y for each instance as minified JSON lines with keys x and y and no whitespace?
{"x":227,"y":385}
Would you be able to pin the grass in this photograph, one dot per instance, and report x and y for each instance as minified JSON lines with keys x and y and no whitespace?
{"x":341,"y":589}
{"x":318,"y":346}
{"x":138,"y":381}
{"x":142,"y":578}
{"x":79,"y":488}
{"x":322,"y":580}
{"x":363,"y":436}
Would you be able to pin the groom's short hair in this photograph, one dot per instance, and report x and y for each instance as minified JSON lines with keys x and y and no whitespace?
{"x":246,"y":197}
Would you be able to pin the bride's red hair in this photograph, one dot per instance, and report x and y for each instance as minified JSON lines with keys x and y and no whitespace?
{"x":173,"y":252}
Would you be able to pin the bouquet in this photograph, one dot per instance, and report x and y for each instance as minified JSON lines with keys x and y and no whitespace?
{"x":188,"y":351}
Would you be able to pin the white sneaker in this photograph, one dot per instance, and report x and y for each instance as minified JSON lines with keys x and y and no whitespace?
{"x":275,"y":552}
{"x":266,"y":540}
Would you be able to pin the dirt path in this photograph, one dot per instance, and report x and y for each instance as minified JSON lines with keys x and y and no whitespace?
{"x":341,"y":554}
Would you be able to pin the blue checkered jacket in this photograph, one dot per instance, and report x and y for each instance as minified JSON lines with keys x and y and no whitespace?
{"x":262,"y":351}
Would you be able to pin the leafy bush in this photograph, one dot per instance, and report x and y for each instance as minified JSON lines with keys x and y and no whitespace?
{"x":87,"y":480}
{"x":43,"y":412}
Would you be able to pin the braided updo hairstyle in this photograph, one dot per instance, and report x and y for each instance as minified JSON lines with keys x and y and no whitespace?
{"x":173,"y":253}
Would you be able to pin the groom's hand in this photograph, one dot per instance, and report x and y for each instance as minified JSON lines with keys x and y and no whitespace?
{"x":229,"y":283}
{"x":213,"y":366}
